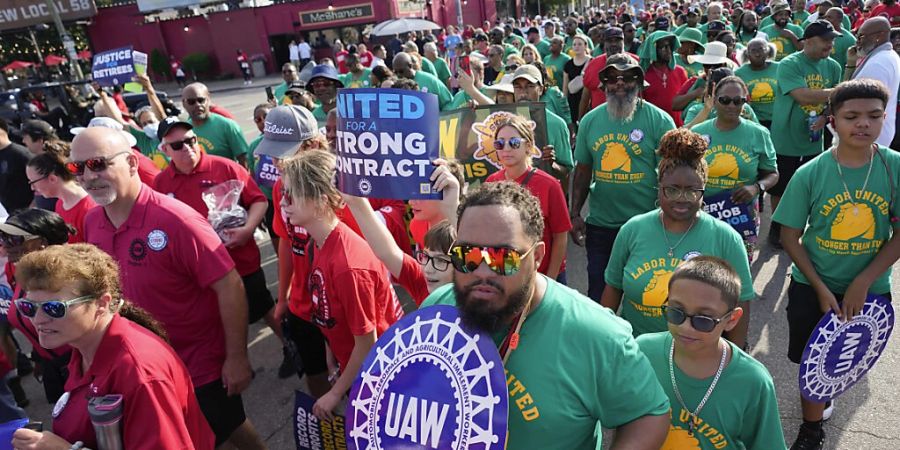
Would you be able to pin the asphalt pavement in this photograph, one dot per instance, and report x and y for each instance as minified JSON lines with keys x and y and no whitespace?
{"x":865,"y":417}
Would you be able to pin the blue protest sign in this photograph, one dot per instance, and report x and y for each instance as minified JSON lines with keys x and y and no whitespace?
{"x":266,"y":172}
{"x":309,"y":432}
{"x":839,"y":353}
{"x":113,"y":67}
{"x":386,"y":140}
{"x":738,"y":215}
{"x":429,"y":382}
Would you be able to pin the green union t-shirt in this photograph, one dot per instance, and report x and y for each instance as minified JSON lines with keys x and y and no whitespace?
{"x":558,"y":137}
{"x":576,"y":366}
{"x":557,"y":103}
{"x":762,"y":85}
{"x":555,"y":69}
{"x":734,"y":157}
{"x":695,"y":108}
{"x":641,"y":268}
{"x":783,"y":46}
{"x":623,"y":159}
{"x":790,"y":120}
{"x":220,"y":136}
{"x":352,"y":81}
{"x":430,"y":83}
{"x":841,"y":239}
{"x":741,"y":412}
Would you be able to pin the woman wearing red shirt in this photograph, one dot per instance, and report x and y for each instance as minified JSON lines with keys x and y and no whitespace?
{"x":48,"y":176}
{"x":75,"y":299}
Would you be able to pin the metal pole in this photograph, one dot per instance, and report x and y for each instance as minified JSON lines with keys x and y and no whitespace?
{"x":459,"y":16}
{"x":67,"y":40}
{"x":37,"y":47}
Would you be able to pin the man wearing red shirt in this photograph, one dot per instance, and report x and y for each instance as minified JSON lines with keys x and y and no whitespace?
{"x":889,"y":9}
{"x":594,"y":95}
{"x":173,"y":265}
{"x":661,"y":72}
{"x":340,"y":57}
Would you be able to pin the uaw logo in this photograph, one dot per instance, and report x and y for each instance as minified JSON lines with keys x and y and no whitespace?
{"x":429,"y":382}
{"x":840,"y":352}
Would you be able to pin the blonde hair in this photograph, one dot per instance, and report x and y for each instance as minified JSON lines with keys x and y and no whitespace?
{"x":523,"y":126}
{"x":537,"y":54}
{"x":310,"y":175}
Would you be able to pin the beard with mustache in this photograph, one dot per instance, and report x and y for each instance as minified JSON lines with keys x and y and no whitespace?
{"x":622,"y":108}
{"x":485,"y":316}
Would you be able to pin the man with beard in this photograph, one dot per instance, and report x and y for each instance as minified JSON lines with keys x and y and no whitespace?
{"x":324,"y":82}
{"x":216,"y":134}
{"x":804,"y":80}
{"x":879,"y":62}
{"x":748,"y":27}
{"x":615,"y":151}
{"x":593,"y":94}
{"x":605,"y":377}
{"x":175,"y":267}
{"x":403,"y":67}
{"x":664,"y":77}
{"x":782,"y":33}
{"x":632,"y":44}
{"x":572,"y":30}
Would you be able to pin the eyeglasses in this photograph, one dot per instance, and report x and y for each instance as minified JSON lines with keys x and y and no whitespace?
{"x":501,"y":260}
{"x":674,"y":193}
{"x":179,"y":145}
{"x":703,"y":324}
{"x":54,"y":308}
{"x":31,"y":183}
{"x":10,"y":240}
{"x":195,"y":101}
{"x":98,"y":164}
{"x":515,"y":143}
{"x":622,"y":78}
{"x":440,"y":264}
{"x":738,"y":101}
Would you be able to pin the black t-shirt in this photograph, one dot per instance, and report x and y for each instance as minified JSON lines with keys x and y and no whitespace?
{"x":15,"y":193}
{"x":491,"y":75}
{"x":574,"y":70}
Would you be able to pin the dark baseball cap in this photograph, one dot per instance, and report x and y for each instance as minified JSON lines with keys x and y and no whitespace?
{"x":296,"y":87}
{"x":533,"y":30}
{"x":481,"y":37}
{"x":168,"y":124}
{"x":716,"y":25}
{"x":820,"y":28}
{"x":38,"y":128}
{"x":695,"y":10}
{"x":661,"y":23}
{"x":614,"y":33}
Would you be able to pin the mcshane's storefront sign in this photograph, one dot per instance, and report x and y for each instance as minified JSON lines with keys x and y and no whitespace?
{"x":350,"y":13}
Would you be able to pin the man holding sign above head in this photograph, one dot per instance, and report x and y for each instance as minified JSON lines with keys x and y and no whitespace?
{"x":541,"y":326}
{"x":403,"y":67}
{"x":839,"y":219}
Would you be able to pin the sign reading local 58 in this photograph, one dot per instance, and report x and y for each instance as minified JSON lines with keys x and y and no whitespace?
{"x":22,"y":13}
{"x":430,"y":382}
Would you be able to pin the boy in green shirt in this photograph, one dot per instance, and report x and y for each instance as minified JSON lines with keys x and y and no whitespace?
{"x":842,"y":205}
{"x":721,"y":397}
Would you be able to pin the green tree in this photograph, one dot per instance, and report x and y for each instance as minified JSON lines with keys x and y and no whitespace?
{"x":159,"y":64}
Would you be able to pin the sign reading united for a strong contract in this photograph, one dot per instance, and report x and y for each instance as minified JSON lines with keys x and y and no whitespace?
{"x":23,"y":13}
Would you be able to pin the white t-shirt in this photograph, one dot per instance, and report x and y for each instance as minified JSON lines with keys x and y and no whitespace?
{"x":294,"y":52}
{"x":305,"y":50}
{"x":884,"y":66}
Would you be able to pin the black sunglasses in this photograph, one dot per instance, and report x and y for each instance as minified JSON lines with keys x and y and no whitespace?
{"x":624,"y":78}
{"x":178,"y":145}
{"x":98,"y":164}
{"x":195,"y":101}
{"x":703,"y":324}
{"x":739,"y":101}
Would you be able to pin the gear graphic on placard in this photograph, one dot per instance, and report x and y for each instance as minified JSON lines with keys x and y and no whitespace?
{"x":444,"y":344}
{"x":816,"y":384}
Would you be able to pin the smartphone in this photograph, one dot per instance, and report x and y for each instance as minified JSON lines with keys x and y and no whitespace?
{"x":269,"y":94}
{"x":464,"y":64}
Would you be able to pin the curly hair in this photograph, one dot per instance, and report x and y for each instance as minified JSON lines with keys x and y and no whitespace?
{"x":508,"y":193}
{"x":58,"y":148}
{"x":682,"y":148}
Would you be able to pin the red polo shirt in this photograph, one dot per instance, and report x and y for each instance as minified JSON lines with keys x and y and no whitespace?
{"x":349,"y":291}
{"x":169,"y":256}
{"x":664,"y":85}
{"x":210,"y":171}
{"x":592,"y":79}
{"x":147,"y":170}
{"x":160,"y":409}
{"x":75,"y":216}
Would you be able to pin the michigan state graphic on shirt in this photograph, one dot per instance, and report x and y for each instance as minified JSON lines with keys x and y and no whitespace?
{"x":852,"y":223}
{"x":762,"y":92}
{"x":617,"y":151}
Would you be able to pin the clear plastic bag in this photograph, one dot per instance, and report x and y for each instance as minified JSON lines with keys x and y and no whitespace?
{"x":225,"y":210}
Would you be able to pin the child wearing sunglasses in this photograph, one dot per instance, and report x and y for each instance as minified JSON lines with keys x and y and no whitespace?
{"x":720,"y":396}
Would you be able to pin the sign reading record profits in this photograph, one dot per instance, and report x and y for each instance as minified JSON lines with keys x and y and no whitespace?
{"x":23,"y":13}
{"x":343,"y":14}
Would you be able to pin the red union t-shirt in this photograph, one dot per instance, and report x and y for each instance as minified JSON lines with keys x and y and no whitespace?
{"x":887,"y":11}
{"x":75,"y":216}
{"x":210,"y":171}
{"x":169,"y":257}
{"x":349,"y":291}
{"x":592,"y":79}
{"x":553,"y":207}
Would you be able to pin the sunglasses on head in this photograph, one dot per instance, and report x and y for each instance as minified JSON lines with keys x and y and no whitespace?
{"x":195,"y":101}
{"x":515,"y":143}
{"x":703,"y":324}
{"x":438,"y":263}
{"x":54,"y":308}
{"x":98,"y":164}
{"x":503,"y":261}
{"x":178,"y":145}
{"x":739,"y":101}
{"x":11,"y":240}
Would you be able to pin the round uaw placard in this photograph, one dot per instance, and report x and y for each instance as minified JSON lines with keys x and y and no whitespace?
{"x":429,"y":382}
{"x":839,"y":352}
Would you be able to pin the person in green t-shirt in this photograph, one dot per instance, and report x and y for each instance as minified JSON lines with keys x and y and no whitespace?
{"x":427,"y":83}
{"x":838,"y":226}
{"x":543,"y":46}
{"x":461,"y":99}
{"x":835,"y":16}
{"x":528,"y":87}
{"x":440,"y":65}
{"x":290,"y":75}
{"x":357,"y":76}
{"x":692,"y":21}
{"x":615,"y":151}
{"x":805,"y":80}
{"x":216,"y":135}
{"x":606,"y":380}
{"x":556,"y":62}
{"x":690,"y":45}
{"x":572,"y":31}
{"x":747,"y":27}
{"x":759,"y":73}
{"x":698,"y":112}
{"x":651,"y":245}
{"x":721,"y":397}
{"x":785,"y":35}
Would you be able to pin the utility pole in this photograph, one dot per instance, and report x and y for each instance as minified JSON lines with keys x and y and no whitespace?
{"x":67,"y":40}
{"x":459,"y":16}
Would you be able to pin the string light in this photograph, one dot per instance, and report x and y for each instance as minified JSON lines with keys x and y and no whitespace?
{"x":330,"y":6}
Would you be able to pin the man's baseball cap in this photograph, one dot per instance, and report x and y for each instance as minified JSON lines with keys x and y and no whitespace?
{"x":613,"y":33}
{"x":327,"y":72}
{"x":38,"y":128}
{"x":820,"y":28}
{"x":716,"y":25}
{"x":297,"y":88}
{"x":695,"y":10}
{"x":661,"y":23}
{"x":528,"y":72}
{"x":779,"y":7}
{"x":168,"y":124}
{"x":623,"y":62}
{"x":285,"y":128}
{"x":106,"y":122}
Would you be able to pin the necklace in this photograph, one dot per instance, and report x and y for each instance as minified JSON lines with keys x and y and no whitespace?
{"x":841,"y":175}
{"x":696,"y":414}
{"x":662,"y":75}
{"x":666,"y":234}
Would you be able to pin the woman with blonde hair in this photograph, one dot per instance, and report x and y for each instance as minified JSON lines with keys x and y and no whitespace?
{"x":530,"y":54}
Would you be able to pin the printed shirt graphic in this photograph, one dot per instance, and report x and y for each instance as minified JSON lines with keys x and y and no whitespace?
{"x":607,"y":379}
{"x":734,"y":157}
{"x":783,"y":46}
{"x":640,"y":267}
{"x":221,"y":136}
{"x":790,"y":120}
{"x":762,"y":85}
{"x":555,"y":68}
{"x":623,"y":160}
{"x":741,"y":413}
{"x":841,"y":239}
{"x":352,"y":81}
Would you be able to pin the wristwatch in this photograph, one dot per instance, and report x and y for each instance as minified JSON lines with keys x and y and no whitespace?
{"x":760,"y":186}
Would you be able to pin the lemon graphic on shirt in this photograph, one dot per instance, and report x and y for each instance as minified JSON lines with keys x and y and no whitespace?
{"x":615,"y":157}
{"x":724,"y":165}
{"x":848,"y":225}
{"x":679,"y":439}
{"x":657,"y":290}
{"x":762,"y":92}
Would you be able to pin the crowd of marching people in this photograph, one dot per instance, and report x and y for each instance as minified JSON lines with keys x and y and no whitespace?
{"x":126,"y":275}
